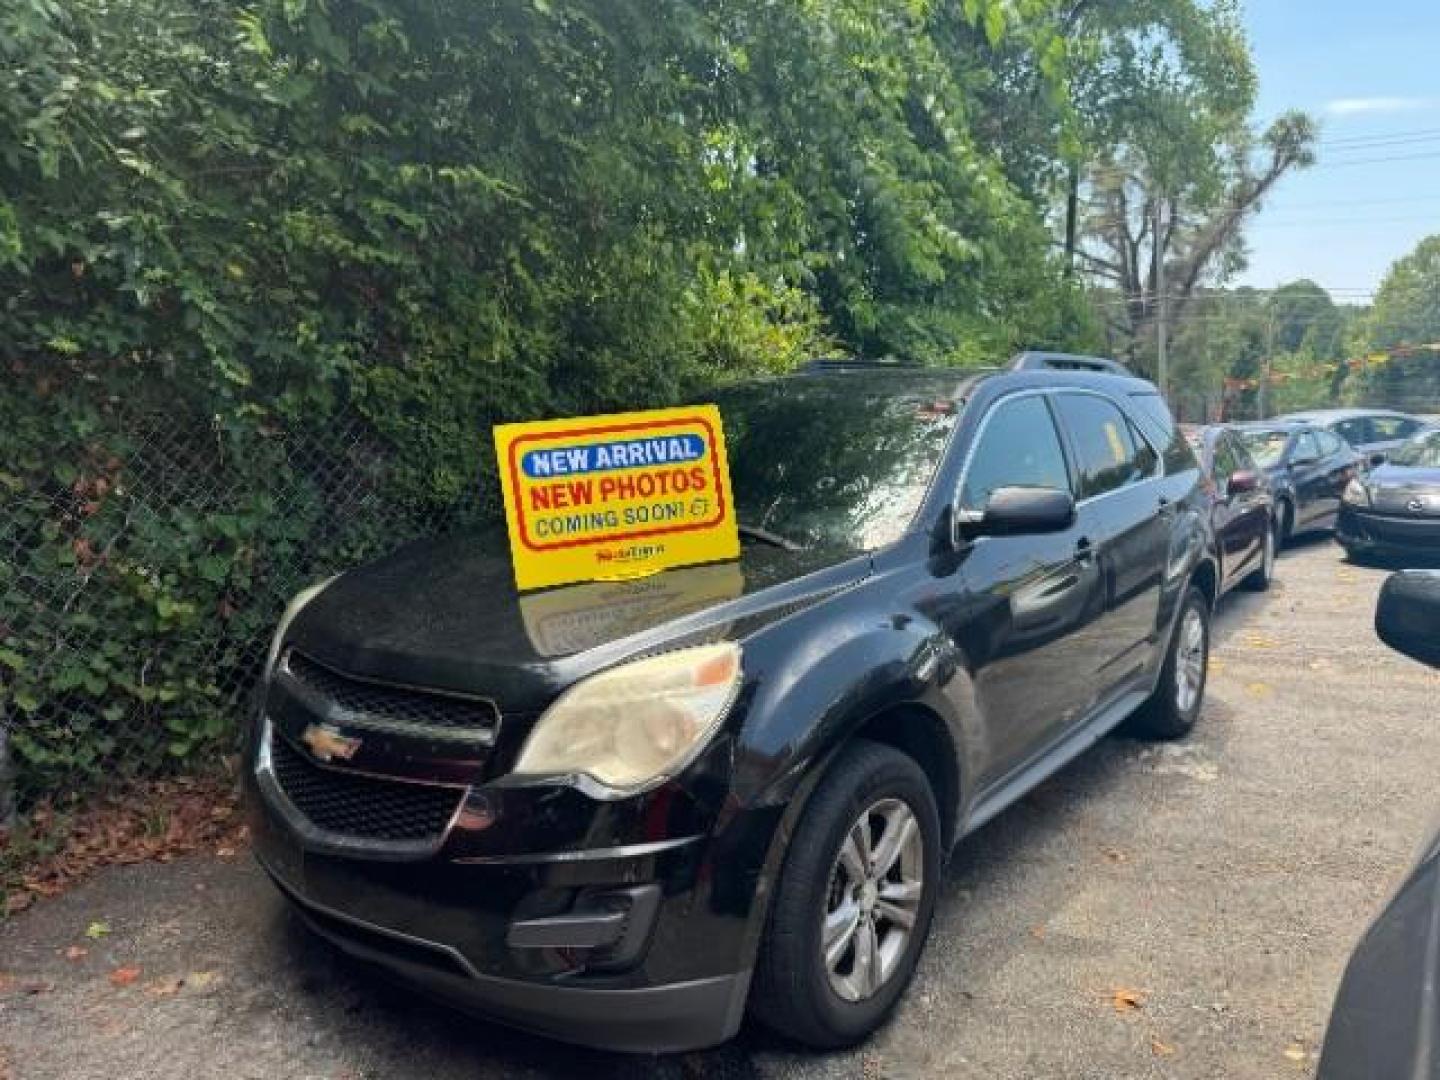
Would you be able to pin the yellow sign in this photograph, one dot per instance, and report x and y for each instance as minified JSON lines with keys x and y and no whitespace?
{"x":619,"y":496}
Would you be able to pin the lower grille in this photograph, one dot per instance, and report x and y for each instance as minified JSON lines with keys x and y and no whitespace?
{"x":364,"y":807}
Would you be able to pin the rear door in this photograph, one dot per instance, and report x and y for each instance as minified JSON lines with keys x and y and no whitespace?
{"x":1308,"y":475}
{"x":1028,"y":599}
{"x":1127,"y":522}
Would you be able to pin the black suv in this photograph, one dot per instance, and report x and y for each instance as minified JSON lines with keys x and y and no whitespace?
{"x":618,"y":812}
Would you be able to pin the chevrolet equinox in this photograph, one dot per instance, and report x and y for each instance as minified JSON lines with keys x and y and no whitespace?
{"x":621,"y":812}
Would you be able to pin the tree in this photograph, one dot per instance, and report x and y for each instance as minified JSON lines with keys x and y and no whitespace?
{"x":1168,"y":168}
{"x":1406,"y":313}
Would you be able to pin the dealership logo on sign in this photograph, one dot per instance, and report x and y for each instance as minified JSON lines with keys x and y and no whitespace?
{"x":616,"y":496}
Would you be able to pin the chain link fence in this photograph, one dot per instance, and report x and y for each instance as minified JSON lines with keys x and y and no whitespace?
{"x":145,"y":556}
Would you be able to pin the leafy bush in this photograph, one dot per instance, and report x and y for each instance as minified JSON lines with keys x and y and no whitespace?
{"x":271,"y":271}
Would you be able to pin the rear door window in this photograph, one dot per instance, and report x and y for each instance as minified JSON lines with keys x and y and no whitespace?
{"x":1018,"y":447}
{"x":1307,"y":448}
{"x":1106,"y":458}
{"x":1355,"y":432}
{"x":1330,"y":443}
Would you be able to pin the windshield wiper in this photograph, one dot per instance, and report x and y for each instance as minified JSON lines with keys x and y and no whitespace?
{"x":765,"y":536}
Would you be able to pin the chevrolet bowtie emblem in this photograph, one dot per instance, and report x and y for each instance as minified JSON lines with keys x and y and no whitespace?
{"x":327,"y":744}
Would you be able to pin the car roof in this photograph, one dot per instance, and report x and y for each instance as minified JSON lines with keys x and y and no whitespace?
{"x":961,"y":383}
{"x":1325,"y":415}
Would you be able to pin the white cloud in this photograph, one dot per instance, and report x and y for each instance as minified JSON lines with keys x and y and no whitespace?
{"x":1360,"y":106}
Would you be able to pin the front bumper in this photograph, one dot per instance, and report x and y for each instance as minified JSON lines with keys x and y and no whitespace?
{"x":632,"y":943}
{"x":1365,"y":530}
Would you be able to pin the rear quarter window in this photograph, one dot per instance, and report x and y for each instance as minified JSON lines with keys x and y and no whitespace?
{"x":1159,"y":425}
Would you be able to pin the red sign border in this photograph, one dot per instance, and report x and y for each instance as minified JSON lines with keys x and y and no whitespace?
{"x":646,"y":425}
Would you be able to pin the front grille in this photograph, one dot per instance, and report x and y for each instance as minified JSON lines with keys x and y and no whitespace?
{"x":364,"y":807}
{"x":391,"y":708}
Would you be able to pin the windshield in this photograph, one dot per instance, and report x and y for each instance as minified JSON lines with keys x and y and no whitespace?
{"x":833,"y":462}
{"x":1266,"y":447}
{"x":1421,"y":452}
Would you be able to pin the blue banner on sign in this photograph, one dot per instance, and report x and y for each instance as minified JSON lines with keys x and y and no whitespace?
{"x":609,"y":456}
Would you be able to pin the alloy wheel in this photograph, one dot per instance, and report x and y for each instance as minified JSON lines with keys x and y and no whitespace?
{"x":1189,"y":660}
{"x":873,"y":901}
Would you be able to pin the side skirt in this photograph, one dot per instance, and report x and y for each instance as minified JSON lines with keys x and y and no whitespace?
{"x":1053,"y":758}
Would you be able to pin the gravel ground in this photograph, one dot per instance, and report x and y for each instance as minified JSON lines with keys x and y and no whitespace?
{"x":1218,"y":884}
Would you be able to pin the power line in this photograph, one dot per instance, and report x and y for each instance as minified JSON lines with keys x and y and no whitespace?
{"x":1376,"y":160}
{"x":1354,"y":140}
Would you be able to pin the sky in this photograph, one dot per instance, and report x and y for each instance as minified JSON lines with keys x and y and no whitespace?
{"x":1369,"y":72}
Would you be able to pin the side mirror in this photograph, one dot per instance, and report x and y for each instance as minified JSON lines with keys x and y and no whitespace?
{"x":1013,"y":511}
{"x":1407,"y":618}
{"x":1243,"y":481}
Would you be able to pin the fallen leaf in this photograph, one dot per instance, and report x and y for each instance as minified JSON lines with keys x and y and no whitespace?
{"x":1295,"y":1052}
{"x":124,"y":976}
{"x":1115,"y":854}
{"x":76,"y":952}
{"x":16,"y":902}
{"x":166,"y":987}
{"x":200,"y":980}
{"x":1260,"y":641}
{"x":1038,"y":932}
{"x":96,"y":930}
{"x":1259,"y":689}
{"x":1159,"y":1048}
{"x":1127,"y":1000}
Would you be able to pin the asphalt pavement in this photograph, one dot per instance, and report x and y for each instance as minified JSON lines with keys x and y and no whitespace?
{"x":1178,"y":910}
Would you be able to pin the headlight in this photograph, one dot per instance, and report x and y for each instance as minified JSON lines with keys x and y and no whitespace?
{"x":303,"y":597}
{"x":633,"y":726}
{"x":1356,"y":493}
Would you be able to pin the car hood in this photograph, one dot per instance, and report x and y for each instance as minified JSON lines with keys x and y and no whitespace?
{"x":445,"y":613}
{"x":1401,"y":488}
{"x":1391,"y":475}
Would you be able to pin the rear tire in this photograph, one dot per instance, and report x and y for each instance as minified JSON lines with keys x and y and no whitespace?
{"x":833,"y":885}
{"x":1179,"y":695}
{"x":1264,"y":574}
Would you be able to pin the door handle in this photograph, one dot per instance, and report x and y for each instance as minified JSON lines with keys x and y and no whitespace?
{"x":1167,"y":507}
{"x":1084,"y":550}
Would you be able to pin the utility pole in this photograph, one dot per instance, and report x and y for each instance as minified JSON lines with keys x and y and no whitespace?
{"x":1265,"y":367}
{"x":1161,"y":365}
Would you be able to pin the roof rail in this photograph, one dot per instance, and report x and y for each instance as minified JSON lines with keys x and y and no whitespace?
{"x":1057,"y":361}
{"x":820,"y":367}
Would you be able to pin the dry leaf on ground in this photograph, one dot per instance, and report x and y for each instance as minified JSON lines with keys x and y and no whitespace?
{"x":1127,"y":1000}
{"x":1160,"y":1048}
{"x":166,"y":987}
{"x":124,"y":976}
{"x":76,"y":952}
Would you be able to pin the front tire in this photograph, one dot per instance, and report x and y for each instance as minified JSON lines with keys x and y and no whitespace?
{"x":854,"y":901}
{"x":1173,"y":708}
{"x":1264,"y":574}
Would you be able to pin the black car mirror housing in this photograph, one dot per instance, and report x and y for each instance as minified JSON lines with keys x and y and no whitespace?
{"x":1407,"y":616}
{"x":1015,"y":511}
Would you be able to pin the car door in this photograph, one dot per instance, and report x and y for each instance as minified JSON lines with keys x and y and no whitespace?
{"x":1122,"y":514}
{"x":1309,"y":479}
{"x":1027,"y":599}
{"x":1234,"y":534}
{"x":1254,"y":508}
{"x":1340,"y":462}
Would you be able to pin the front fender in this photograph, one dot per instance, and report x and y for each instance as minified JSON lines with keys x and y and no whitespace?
{"x":831,"y":682}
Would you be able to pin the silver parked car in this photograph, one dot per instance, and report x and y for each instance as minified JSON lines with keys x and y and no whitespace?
{"x":1371,"y":432}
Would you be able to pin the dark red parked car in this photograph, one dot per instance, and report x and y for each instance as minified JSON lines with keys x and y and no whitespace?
{"x":1242,"y":507}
